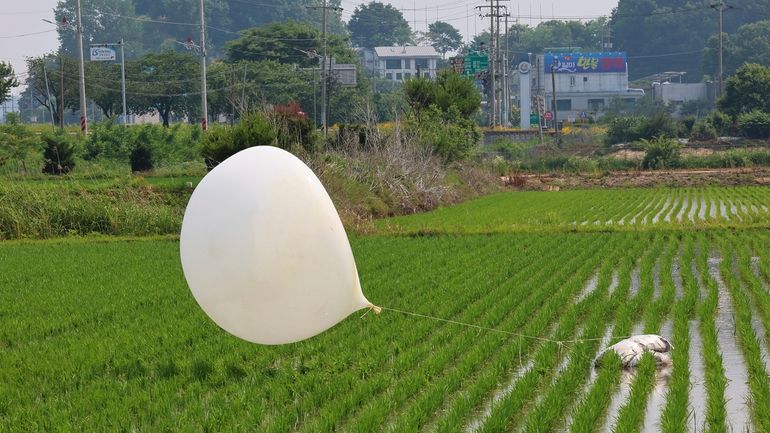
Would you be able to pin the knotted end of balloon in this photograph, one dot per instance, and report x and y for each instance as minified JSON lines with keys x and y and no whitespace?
{"x":372,"y":307}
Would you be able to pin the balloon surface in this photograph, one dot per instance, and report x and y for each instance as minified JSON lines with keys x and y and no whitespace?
{"x":264,"y":251}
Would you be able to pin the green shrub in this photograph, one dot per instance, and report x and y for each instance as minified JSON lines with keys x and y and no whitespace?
{"x":722,"y":123}
{"x":755,"y":124}
{"x":12,"y":118}
{"x":623,"y":129}
{"x":447,"y":133}
{"x":221,"y":142}
{"x":660,"y":124}
{"x":293,"y":128}
{"x":686,"y":125}
{"x":141,"y":157}
{"x":703,"y":130}
{"x":580,"y":165}
{"x":58,"y":154}
{"x":661,"y":152}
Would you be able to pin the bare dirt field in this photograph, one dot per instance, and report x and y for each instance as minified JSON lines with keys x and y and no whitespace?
{"x":641,"y":179}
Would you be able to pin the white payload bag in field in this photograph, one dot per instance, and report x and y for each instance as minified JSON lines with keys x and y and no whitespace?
{"x":633,"y":348}
{"x":264,"y":251}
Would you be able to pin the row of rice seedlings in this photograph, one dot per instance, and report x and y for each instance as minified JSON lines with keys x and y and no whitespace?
{"x":631,"y":415}
{"x":419,"y":337}
{"x":591,"y":410}
{"x":627,"y":318}
{"x":676,"y":414}
{"x":759,"y":297}
{"x":758,"y":376}
{"x":429,"y":399}
{"x":626,"y":203}
{"x":481,"y":386}
{"x":562,"y":391}
{"x":546,"y":358}
{"x":534,"y":421}
{"x":716,"y":383}
{"x":422,"y":350}
{"x":414,"y":380}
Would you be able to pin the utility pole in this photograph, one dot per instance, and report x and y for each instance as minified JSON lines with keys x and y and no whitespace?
{"x":324,"y":60}
{"x":721,"y":7}
{"x":494,"y":33}
{"x":492,"y":69}
{"x":61,"y":90}
{"x":204,"y":103}
{"x":555,"y":108}
{"x":123,"y":81}
{"x":82,"y":78}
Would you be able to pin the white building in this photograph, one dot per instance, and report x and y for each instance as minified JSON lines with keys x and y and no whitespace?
{"x":401,"y":63}
{"x":679,"y":93}
{"x":586,"y":83}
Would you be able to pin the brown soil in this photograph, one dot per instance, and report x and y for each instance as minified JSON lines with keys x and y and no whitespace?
{"x":640,"y":179}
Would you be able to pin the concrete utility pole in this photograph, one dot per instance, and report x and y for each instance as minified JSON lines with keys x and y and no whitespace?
{"x":324,"y":60}
{"x":204,"y":102}
{"x":81,"y":67}
{"x":61,"y":90}
{"x":555,"y":108}
{"x":494,"y":35}
{"x":721,"y":7}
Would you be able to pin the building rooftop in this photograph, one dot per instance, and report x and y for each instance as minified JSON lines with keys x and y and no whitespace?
{"x":406,"y":51}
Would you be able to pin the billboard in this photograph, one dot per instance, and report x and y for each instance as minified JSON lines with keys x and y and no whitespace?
{"x":102,"y":54}
{"x":579,"y":63}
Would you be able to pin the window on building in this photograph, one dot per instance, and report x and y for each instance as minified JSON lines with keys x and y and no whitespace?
{"x":389,"y":76}
{"x":572,"y":80}
{"x":392,"y":63}
{"x":628,"y":103}
{"x":399,"y":76}
{"x":421,"y":63}
{"x":564,"y":105}
{"x":408,"y":75}
{"x":596,"y":104}
{"x":585,"y":79}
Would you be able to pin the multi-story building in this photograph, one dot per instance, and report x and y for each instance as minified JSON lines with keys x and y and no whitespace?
{"x":401,"y":63}
{"x":586,"y":83}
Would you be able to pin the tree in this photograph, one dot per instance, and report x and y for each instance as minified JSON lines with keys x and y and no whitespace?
{"x":450,"y":91}
{"x":376,"y":24}
{"x":287,"y":43}
{"x":103,"y":86}
{"x":444,"y":37}
{"x":167,"y":83}
{"x":747,"y":91}
{"x":7,"y":81}
{"x":103,"y":21}
{"x":44,"y":78}
{"x":750,"y":44}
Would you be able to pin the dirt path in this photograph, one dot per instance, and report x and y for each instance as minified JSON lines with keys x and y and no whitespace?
{"x":642,"y":179}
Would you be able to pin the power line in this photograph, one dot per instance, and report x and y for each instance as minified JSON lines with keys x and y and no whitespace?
{"x":27,"y":34}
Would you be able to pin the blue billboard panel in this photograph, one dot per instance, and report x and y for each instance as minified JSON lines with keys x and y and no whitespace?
{"x":571,"y":63}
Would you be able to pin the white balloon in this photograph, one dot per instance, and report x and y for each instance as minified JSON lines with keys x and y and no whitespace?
{"x":264,"y":251}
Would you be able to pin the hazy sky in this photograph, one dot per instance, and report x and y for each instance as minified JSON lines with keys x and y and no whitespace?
{"x":25,"y":17}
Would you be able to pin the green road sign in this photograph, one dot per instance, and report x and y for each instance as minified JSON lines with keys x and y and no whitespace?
{"x":534,"y":119}
{"x":475,"y":62}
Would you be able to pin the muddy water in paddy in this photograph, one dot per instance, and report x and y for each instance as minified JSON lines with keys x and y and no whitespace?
{"x":636,"y":281}
{"x":657,"y":216}
{"x":737,"y":390}
{"x":676,"y":275}
{"x":698,"y":396}
{"x":685,"y":203}
{"x":702,"y":209}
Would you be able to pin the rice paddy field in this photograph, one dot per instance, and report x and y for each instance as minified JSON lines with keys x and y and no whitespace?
{"x":103,"y":335}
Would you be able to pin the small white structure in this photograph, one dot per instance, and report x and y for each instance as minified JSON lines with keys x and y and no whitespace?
{"x":633,"y":348}
{"x":679,"y":93}
{"x":401,"y":63}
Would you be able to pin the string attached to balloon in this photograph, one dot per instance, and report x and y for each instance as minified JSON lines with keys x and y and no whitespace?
{"x":500,"y":331}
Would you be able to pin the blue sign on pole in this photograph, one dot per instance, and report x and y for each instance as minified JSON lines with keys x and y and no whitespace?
{"x":566,"y":63}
